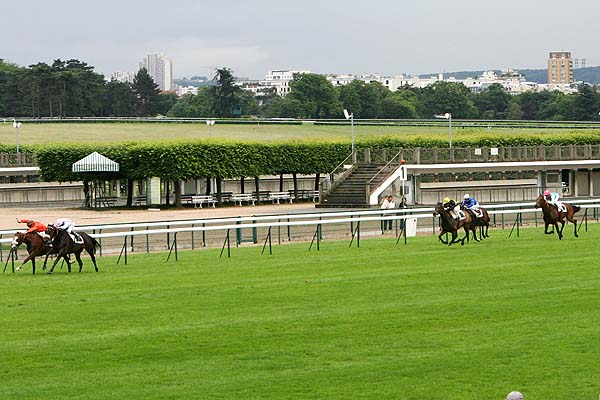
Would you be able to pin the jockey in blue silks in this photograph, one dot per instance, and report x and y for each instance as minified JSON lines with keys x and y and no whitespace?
{"x":471,"y":204}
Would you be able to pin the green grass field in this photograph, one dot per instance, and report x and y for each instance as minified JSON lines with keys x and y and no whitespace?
{"x":31,"y":133}
{"x":416,"y":321}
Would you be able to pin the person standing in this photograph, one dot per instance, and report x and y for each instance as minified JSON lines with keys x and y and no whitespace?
{"x":388,"y":204}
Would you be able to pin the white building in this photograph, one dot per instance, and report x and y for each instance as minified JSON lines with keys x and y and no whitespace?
{"x":121,"y":76}
{"x":183,"y":90}
{"x":160,"y":68}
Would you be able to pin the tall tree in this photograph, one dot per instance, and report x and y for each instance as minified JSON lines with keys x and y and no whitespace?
{"x":146,"y":92}
{"x":118,"y":100}
{"x":225,"y":101}
{"x":317,"y":95}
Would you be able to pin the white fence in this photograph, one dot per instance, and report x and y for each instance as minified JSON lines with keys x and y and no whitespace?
{"x":163,"y":235}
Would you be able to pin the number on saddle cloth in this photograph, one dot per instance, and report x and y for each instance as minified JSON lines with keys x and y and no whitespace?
{"x":77,"y":239}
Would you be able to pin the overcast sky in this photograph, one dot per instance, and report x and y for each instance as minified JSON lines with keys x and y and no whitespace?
{"x":252,"y":37}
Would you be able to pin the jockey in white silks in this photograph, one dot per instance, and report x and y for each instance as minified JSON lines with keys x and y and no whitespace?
{"x":67,"y":225}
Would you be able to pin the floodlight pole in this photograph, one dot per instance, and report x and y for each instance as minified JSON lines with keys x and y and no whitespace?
{"x":210,"y":123}
{"x":350,"y":116}
{"x":450,"y":125}
{"x":17,"y":125}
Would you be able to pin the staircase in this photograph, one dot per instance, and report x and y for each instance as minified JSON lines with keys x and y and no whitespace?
{"x":351,"y":192}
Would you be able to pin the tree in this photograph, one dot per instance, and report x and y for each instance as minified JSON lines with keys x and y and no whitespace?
{"x":146,"y":92}
{"x":399,"y":105}
{"x":493,"y":102}
{"x":586,"y":104}
{"x":118,"y":100}
{"x":225,"y":100}
{"x":443,"y":97}
{"x":316,"y":94}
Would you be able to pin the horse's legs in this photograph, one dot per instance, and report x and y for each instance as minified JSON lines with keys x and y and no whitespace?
{"x":33,"y":265}
{"x":29,"y":257}
{"x":93,"y":257}
{"x":442,"y":233}
{"x":574,"y":222}
{"x":559,"y":230}
{"x":454,"y":236}
{"x":78,"y":257}
{"x":58,"y":257}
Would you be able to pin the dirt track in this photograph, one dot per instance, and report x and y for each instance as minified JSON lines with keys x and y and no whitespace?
{"x":85,"y":217}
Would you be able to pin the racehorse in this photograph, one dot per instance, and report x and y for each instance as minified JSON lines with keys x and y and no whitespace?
{"x":450,"y":225}
{"x":64,"y":245}
{"x":36,"y":247}
{"x":552,"y":216}
{"x":482,"y":222}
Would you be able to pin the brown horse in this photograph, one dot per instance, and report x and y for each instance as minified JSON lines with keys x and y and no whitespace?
{"x":552,"y":216}
{"x":36,"y":247}
{"x":482,"y":222}
{"x":64,"y":246}
{"x":450,"y":225}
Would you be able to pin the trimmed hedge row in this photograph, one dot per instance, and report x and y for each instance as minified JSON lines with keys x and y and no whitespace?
{"x":175,"y":160}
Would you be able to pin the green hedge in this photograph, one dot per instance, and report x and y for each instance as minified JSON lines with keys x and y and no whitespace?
{"x":187,"y":159}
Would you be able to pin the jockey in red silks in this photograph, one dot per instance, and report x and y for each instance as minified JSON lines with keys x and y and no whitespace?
{"x":35,"y":226}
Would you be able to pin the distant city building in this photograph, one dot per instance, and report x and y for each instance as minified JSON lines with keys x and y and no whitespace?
{"x":160,"y":68}
{"x":121,"y":76}
{"x":560,"y":68}
{"x":183,"y":90}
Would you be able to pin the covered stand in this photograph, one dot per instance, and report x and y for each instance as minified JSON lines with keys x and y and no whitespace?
{"x":95,"y":169}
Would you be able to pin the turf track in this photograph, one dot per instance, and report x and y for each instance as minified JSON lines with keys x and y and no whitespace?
{"x":416,"y":321}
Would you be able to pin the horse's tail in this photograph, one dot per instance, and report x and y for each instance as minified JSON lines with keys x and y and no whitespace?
{"x":575,"y":208}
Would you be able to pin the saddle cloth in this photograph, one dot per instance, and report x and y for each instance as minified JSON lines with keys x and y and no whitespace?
{"x":77,"y":239}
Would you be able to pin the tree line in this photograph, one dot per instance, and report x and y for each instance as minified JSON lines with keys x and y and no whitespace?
{"x":72,"y":88}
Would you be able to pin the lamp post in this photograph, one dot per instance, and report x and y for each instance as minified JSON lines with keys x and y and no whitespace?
{"x":350,"y":116}
{"x":17,"y":125}
{"x":447,"y":116}
{"x":210,"y":123}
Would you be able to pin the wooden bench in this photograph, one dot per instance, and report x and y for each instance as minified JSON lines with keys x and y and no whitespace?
{"x":238,"y":198}
{"x":277,"y":196}
{"x":197,"y":201}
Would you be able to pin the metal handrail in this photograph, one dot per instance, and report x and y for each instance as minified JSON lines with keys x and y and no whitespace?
{"x":328,"y":180}
{"x":368,"y":184}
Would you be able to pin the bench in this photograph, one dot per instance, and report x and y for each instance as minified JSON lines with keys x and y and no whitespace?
{"x":314,"y":195}
{"x":139,"y":200}
{"x":197,"y":201}
{"x":107,"y":201}
{"x":277,"y":196}
{"x":238,"y":198}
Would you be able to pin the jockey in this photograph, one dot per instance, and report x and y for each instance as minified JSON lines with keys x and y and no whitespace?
{"x":67,"y":225}
{"x":553,"y":198}
{"x":35,"y":226}
{"x":454,"y":209}
{"x":472,"y":204}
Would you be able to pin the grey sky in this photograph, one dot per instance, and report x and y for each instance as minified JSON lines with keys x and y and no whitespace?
{"x":251,"y":37}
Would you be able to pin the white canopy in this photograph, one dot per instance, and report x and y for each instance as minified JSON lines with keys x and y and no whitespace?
{"x":95,"y":162}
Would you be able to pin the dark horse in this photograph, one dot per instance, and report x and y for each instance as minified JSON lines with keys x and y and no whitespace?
{"x":482,"y":222}
{"x":552,"y":216}
{"x":450,"y":225}
{"x":36,"y":247}
{"x":64,"y":245}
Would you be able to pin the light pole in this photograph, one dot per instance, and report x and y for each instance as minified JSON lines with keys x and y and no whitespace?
{"x":210,"y":123}
{"x":351,"y":118}
{"x":17,"y":125}
{"x":447,"y":116}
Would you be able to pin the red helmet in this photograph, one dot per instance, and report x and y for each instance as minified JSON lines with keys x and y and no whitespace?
{"x":546,"y":192}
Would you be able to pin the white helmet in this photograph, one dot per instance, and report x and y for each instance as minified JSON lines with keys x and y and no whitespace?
{"x":514,"y":396}
{"x":467,"y":196}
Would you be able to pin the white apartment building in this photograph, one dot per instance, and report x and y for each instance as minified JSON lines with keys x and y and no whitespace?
{"x":160,"y":68}
{"x":121,"y":76}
